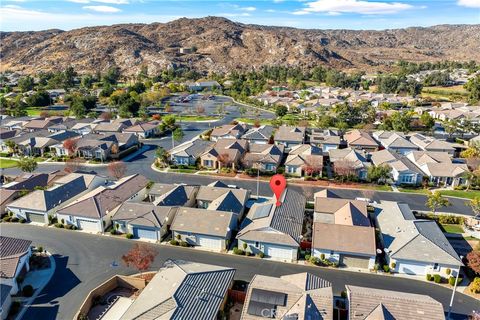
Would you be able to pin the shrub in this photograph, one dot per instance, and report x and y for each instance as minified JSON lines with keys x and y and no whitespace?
{"x":6,"y":219}
{"x":451,"y":280}
{"x":307,"y":257}
{"x":429,"y":277}
{"x":315,"y":261}
{"x":63,"y":221}
{"x":184,"y":244}
{"x":322,"y":256}
{"x":69,"y":226}
{"x":475,"y":286}
{"x":343,"y":294}
{"x":448,"y":271}
{"x":129,"y":236}
{"x":27,"y":291}
{"x":40,"y":249}
{"x":174,"y":242}
{"x":261,"y":255}
{"x":376,"y":267}
{"x":238,"y":251}
{"x":23,"y":220}
{"x":437,"y":278}
{"x":393,"y":265}
{"x":58,"y":225}
{"x":386,"y":268}
{"x":113,"y":232}
{"x":179,"y":236}
{"x":14,"y":219}
{"x":244,"y":246}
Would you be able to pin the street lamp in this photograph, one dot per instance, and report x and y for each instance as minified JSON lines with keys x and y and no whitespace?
{"x":454,"y":290}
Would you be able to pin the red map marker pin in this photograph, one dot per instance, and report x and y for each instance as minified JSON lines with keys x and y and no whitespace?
{"x":278,"y":185}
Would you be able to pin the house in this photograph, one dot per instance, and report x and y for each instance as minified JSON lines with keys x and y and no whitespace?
{"x":304,"y":158}
{"x":144,"y":130}
{"x":342,"y":232}
{"x":349,"y":162}
{"x":224,"y":153}
{"x":105,"y":146}
{"x":83,"y":128}
{"x":144,"y":220}
{"x":187,"y":153}
{"x":25,"y":183}
{"x":376,"y":304}
{"x":181,"y":290}
{"x":39,"y":204}
{"x":438,"y":167}
{"x":403,"y":171}
{"x":228,"y":131}
{"x":259,"y":135}
{"x":42,"y":123}
{"x":431,"y":144}
{"x":5,"y":300}
{"x":288,"y":136}
{"x":263,"y":157}
{"x":360,"y":140}
{"x":93,"y":211}
{"x":223,"y":198}
{"x":209,"y":229}
{"x":413,"y":246}
{"x":35,"y":146}
{"x":325,"y":139}
{"x":14,"y":261}
{"x":117,"y":125}
{"x":173,"y":195}
{"x":294,"y":296}
{"x":274,"y":231}
{"x":395,"y":142}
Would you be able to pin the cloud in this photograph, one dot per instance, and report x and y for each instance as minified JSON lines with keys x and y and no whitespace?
{"x":247,"y":8}
{"x":469,"y":3}
{"x":103,"y":9}
{"x":355,"y":6}
{"x":101,"y":1}
{"x":278,"y":1}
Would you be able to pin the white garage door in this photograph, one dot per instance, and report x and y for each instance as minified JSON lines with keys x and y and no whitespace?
{"x":411,"y":268}
{"x":278,"y":252}
{"x":144,"y":233}
{"x":209,"y":242}
{"x":35,"y":217}
{"x":87,"y":225}
{"x":354,"y":261}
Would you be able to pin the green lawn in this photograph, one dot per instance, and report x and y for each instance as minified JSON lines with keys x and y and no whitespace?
{"x":196,"y":118}
{"x":452,"y":228}
{"x":419,"y":191}
{"x":8,"y":163}
{"x":183,"y":170}
{"x":382,"y":187}
{"x":34,"y":111}
{"x":252,"y":121}
{"x":470,"y":194}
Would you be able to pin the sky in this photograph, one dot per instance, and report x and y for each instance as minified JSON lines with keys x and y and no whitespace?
{"x":26,"y":15}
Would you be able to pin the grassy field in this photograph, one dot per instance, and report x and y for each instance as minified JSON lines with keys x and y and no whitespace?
{"x":447,"y":93}
{"x":452,"y":228}
{"x":252,"y":121}
{"x":196,"y":118}
{"x":8,"y":163}
{"x":470,"y":194}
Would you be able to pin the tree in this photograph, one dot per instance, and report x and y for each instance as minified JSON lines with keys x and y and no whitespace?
{"x":27,"y":164}
{"x":280,"y":111}
{"x":72,"y":165}
{"x":401,"y":121}
{"x":344,"y":168}
{"x":473,"y":260}
{"x":224,"y":159}
{"x":112,"y":76}
{"x":25,"y":83}
{"x":313,"y":165}
{"x":162,"y":155}
{"x":38,"y":99}
{"x":451,"y":127}
{"x":378,"y":173}
{"x":106,"y":116}
{"x":178,"y":134}
{"x":117,"y":169}
{"x":70,"y":145}
{"x":427,"y":120}
{"x":143,"y":113}
{"x":140,"y":257}
{"x":473,"y":88}
{"x":11,"y":145}
{"x":435,"y":201}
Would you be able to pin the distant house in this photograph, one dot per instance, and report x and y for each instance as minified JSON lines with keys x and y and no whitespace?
{"x":14,"y":262}
{"x":172,"y":195}
{"x":189,"y":290}
{"x":187,"y":153}
{"x":144,"y":220}
{"x":105,"y":146}
{"x":368,"y":303}
{"x":416,"y":247}
{"x":209,"y":229}
{"x":25,"y":183}
{"x":438,"y":167}
{"x":288,"y":136}
{"x":342,"y":232}
{"x":93,"y":211}
{"x":263,"y":157}
{"x":204,"y":85}
{"x":403,"y":171}
{"x":228,"y":131}
{"x":325,"y":139}
{"x":41,"y":124}
{"x":224,"y":153}
{"x":117,"y":125}
{"x":260,"y":135}
{"x":274,"y":231}
{"x":83,"y":128}
{"x":294,"y":296}
{"x":39,"y":204}
{"x":302,"y":158}
{"x":395,"y":142}
{"x":431,"y":144}
{"x":360,"y":140}
{"x":144,"y":130}
{"x":349,"y":162}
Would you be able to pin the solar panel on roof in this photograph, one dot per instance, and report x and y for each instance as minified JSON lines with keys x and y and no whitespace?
{"x":262,"y":211}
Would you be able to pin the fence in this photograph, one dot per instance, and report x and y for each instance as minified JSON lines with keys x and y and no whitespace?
{"x":237,"y":296}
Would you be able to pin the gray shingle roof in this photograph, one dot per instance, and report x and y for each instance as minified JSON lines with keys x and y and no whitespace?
{"x":143,"y":214}
{"x":201,"y":221}
{"x":12,"y":249}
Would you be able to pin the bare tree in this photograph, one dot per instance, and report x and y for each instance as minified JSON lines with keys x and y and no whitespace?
{"x":72,"y":165}
{"x":225,"y":160}
{"x":313,"y":165}
{"x":70,"y":145}
{"x":344,"y":168}
{"x":117,"y":169}
{"x":106,"y":116}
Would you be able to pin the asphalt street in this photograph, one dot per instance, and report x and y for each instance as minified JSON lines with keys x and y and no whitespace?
{"x":84,"y":261}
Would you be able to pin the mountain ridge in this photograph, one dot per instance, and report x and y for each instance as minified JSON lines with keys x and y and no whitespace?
{"x":223,"y":45}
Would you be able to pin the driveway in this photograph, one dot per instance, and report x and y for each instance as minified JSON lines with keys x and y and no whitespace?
{"x":84,"y":261}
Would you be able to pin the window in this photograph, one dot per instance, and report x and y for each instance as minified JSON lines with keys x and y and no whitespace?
{"x":257,"y":244}
{"x":332,"y":252}
{"x":435,"y":267}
